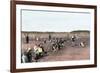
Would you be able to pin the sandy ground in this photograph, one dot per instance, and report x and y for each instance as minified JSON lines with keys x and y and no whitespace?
{"x":68,"y":54}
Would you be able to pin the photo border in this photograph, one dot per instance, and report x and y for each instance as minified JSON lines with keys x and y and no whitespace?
{"x":13,"y":35}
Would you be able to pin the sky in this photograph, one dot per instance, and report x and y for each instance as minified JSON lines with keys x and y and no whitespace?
{"x":54,"y":21}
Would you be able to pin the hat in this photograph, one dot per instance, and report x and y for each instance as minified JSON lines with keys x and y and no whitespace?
{"x":28,"y":49}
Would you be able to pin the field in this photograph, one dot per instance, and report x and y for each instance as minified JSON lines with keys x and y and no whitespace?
{"x":70,"y":50}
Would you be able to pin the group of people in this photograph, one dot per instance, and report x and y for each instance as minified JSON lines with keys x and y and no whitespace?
{"x":57,"y":44}
{"x":37,"y":52}
{"x":32,"y":55}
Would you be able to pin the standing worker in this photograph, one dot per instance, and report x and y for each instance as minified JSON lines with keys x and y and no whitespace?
{"x":27,"y":39}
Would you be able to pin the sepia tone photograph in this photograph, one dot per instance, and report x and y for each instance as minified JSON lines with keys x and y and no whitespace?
{"x":50,"y":36}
